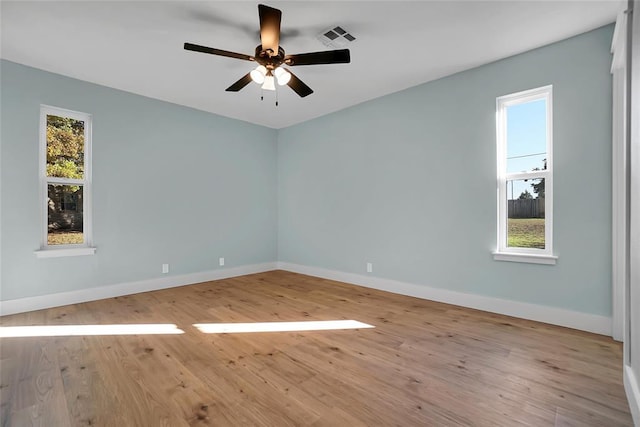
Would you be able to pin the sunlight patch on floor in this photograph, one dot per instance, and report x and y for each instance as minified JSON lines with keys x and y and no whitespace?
{"x":76,"y":330}
{"x":319,"y":325}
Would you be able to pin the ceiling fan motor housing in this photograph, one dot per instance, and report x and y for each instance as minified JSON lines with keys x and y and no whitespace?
{"x":268,"y":59}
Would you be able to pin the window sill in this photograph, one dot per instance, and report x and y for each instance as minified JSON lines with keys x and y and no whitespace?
{"x":56,"y":253}
{"x":526,"y":258}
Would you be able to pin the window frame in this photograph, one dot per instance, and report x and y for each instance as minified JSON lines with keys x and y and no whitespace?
{"x":503,"y":251}
{"x":86,"y":248}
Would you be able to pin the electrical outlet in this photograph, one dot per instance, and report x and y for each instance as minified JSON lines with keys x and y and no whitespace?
{"x":165,"y":268}
{"x":369,"y":267}
{"x":221,"y":261}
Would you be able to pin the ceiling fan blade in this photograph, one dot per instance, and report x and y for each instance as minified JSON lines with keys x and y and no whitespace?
{"x":341,"y":56}
{"x":245,"y":80}
{"x":269,"y":27}
{"x":212,"y":51}
{"x":299,"y":86}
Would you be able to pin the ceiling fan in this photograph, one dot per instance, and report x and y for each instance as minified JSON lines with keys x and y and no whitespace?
{"x":271,"y":57}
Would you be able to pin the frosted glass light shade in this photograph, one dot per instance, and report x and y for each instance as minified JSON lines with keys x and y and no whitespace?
{"x":282,"y":75}
{"x":269,"y":83}
{"x":258,"y":74}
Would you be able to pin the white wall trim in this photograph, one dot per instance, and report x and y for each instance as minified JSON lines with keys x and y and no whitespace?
{"x":619,"y":177}
{"x":40,"y":302}
{"x":556,"y":316}
{"x":67,"y":251}
{"x":632,"y":388}
{"x":632,"y":309}
{"x":527,"y":258}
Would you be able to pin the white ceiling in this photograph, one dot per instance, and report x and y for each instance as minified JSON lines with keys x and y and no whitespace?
{"x":138,"y":46}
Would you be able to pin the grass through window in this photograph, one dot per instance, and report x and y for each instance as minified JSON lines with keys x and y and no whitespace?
{"x":525,"y":233}
{"x":65,"y":238}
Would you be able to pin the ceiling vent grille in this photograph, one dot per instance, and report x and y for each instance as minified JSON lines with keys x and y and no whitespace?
{"x":336,"y":37}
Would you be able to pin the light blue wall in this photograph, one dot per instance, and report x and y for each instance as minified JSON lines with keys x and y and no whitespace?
{"x":171,"y":185}
{"x":408,"y":182}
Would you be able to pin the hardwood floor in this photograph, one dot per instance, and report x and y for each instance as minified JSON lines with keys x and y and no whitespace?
{"x":424,"y":363}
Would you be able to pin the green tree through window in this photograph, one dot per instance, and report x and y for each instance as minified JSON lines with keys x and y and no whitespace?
{"x":65,"y":147}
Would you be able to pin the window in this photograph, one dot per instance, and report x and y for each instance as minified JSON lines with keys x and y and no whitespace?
{"x":525,"y":176}
{"x":65,"y":171}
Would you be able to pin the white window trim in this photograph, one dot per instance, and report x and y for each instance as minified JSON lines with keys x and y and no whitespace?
{"x":504,"y":252}
{"x":47,"y":251}
{"x":620,"y":181}
{"x":529,"y":258}
{"x":67,"y":250}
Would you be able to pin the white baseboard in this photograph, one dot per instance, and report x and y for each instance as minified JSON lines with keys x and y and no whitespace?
{"x":555,"y":316}
{"x":552,"y":315}
{"x":40,"y":302}
{"x":632,"y":388}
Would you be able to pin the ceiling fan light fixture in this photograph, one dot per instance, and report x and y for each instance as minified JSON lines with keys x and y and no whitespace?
{"x":258,"y":75}
{"x":270,"y":56}
{"x":269,"y":83}
{"x":282,"y":75}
